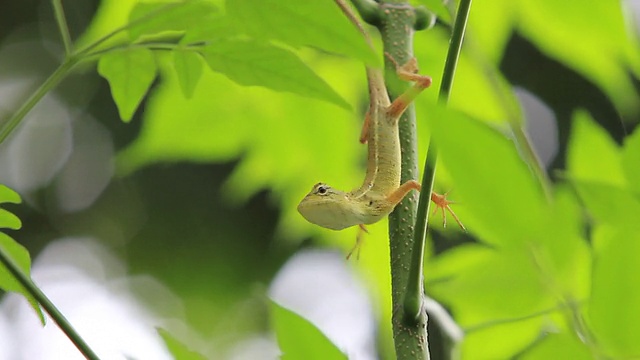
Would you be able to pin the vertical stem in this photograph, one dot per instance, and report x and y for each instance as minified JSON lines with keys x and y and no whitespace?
{"x":63,"y":27}
{"x":397,"y":20}
{"x":48,"y":306}
{"x":415,"y":286}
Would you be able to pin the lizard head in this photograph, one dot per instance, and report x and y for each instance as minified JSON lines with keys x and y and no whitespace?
{"x":327,"y":207}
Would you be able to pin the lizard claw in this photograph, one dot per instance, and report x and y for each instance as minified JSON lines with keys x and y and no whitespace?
{"x":442,"y":203}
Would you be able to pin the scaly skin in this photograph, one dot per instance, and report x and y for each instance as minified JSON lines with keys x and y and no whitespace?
{"x":381,"y":190}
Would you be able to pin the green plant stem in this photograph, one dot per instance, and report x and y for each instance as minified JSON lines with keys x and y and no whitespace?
{"x":396,"y":19}
{"x":51,"y":82}
{"x":47,"y":305}
{"x":63,"y":27}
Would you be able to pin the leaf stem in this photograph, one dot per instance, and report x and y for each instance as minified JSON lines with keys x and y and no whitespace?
{"x":413,"y":301}
{"x":54,"y":79}
{"x":47,"y":305}
{"x":63,"y":27}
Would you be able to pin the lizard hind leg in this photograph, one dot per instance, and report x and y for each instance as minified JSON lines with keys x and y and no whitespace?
{"x":358,"y":245}
{"x":407,"y":72}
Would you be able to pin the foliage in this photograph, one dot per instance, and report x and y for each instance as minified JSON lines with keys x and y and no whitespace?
{"x":299,"y":339}
{"x":14,"y":251}
{"x":545,"y":272}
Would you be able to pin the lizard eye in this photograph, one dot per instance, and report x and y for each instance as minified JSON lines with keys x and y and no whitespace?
{"x":322,"y":189}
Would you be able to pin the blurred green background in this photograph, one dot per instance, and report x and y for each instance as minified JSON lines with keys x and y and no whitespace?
{"x":190,"y":206}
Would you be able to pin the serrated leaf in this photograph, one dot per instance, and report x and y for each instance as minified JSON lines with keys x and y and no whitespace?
{"x":188,"y":66}
{"x":155,"y":17}
{"x":8,"y":195}
{"x":631,"y":160}
{"x":249,"y":62}
{"x":130,"y":73}
{"x":299,"y":339}
{"x":20,"y":257}
{"x":313,"y":23}
{"x":592,"y":154}
{"x":9,"y":221}
{"x":178,"y":350}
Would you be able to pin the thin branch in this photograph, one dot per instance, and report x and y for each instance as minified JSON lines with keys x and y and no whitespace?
{"x":63,"y":27}
{"x":47,"y":305}
{"x":413,"y":300}
{"x":54,"y":79}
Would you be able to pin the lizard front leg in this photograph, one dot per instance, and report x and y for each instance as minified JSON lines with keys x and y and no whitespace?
{"x":440,"y":201}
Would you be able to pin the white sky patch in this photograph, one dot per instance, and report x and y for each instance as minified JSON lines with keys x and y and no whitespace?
{"x":96,"y":303}
{"x":320,"y":286}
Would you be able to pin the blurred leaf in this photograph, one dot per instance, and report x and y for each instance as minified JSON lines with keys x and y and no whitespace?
{"x":592,"y":154}
{"x":490,"y":28}
{"x":484,"y":285}
{"x":438,"y":8}
{"x":631,"y":160}
{"x":593,"y":38}
{"x":110,"y":15}
{"x":479,"y":89}
{"x":249,"y":62}
{"x":563,"y":345}
{"x":155,"y":17}
{"x":130,"y":73}
{"x":613,"y":309}
{"x":609,"y":204}
{"x":315,"y":23}
{"x":514,"y":336}
{"x":219,"y":28}
{"x":7,"y":219}
{"x":178,"y":350}
{"x":299,"y":339}
{"x":188,"y":65}
{"x":501,"y":189}
{"x":14,"y":251}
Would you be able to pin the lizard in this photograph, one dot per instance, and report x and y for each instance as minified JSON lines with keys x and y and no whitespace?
{"x":381,"y":190}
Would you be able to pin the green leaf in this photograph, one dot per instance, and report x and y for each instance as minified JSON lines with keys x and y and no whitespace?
{"x":14,"y":251}
{"x":609,"y":204}
{"x":483,"y":285}
{"x":563,"y":345}
{"x":514,"y":334}
{"x":500,"y":200}
{"x":299,"y":339}
{"x":20,"y":257}
{"x":592,"y":155}
{"x":594,"y":39}
{"x":314,"y":23}
{"x":613,"y":307}
{"x":7,"y":219}
{"x":156,"y":17}
{"x":249,"y":62}
{"x":178,"y":350}
{"x":130,"y":73}
{"x":189,"y":69}
{"x":7,"y":195}
{"x":631,"y":160}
